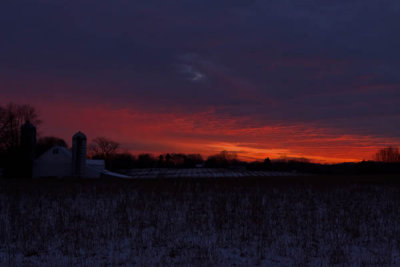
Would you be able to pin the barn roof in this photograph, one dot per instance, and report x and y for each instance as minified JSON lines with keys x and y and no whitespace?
{"x":57,"y":150}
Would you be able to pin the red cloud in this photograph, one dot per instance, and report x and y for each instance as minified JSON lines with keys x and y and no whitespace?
{"x":205,"y":132}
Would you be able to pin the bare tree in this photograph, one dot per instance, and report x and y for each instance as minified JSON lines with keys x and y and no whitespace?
{"x":12,"y":117}
{"x":103,"y":147}
{"x":222,"y":159}
{"x":388,"y":154}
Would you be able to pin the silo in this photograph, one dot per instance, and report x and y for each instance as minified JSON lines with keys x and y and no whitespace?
{"x":27,"y":144}
{"x":79,"y":154}
{"x":28,"y":139}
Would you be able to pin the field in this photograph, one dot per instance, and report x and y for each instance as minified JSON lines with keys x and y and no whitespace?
{"x":201,"y":173}
{"x":276,"y":221}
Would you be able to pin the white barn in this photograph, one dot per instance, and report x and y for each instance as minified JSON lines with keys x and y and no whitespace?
{"x":57,"y":162}
{"x":61,"y":162}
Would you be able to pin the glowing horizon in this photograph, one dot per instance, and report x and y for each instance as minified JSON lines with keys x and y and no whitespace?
{"x":205,"y":133}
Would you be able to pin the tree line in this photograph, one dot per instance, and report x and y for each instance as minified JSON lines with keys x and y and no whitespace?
{"x":118,"y":161}
{"x":13,"y":116}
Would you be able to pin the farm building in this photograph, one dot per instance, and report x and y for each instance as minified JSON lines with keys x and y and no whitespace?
{"x":57,"y":162}
{"x":61,"y":162}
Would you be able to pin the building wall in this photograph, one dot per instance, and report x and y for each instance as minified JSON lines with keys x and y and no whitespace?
{"x":55,"y":162}
{"x":79,"y":143}
{"x":53,"y":169}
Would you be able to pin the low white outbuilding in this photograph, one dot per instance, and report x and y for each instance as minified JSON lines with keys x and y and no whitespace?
{"x":57,"y":162}
{"x":61,"y":162}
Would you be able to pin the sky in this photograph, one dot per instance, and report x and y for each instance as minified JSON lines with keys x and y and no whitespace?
{"x":279,"y":78}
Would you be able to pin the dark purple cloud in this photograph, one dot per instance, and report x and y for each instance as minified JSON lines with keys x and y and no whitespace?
{"x":331,"y":63}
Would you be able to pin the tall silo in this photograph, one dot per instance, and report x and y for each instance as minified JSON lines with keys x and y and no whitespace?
{"x":27,"y":144}
{"x":79,"y":147}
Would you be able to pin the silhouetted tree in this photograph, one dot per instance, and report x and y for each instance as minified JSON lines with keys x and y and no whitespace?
{"x":191,"y":160}
{"x":267,"y":163}
{"x":12,"y":117}
{"x":146,"y":161}
{"x":222,"y":159}
{"x":102,"y":147}
{"x":388,"y":154}
{"x":161,"y":162}
{"x":12,"y":156}
{"x":120,"y":161}
{"x":168,"y":160}
{"x":179,"y":160}
{"x":45,"y":143}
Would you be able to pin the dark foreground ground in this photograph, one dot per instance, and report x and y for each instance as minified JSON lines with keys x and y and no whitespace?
{"x":282,"y":221}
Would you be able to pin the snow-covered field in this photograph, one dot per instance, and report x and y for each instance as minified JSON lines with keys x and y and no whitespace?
{"x":201,"y":173}
{"x":198,"y":222}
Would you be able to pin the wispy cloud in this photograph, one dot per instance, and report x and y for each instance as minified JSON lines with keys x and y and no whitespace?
{"x":192,"y":73}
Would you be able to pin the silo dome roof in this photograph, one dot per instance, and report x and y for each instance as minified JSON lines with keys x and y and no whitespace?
{"x":28,"y":125}
{"x":79,"y":135}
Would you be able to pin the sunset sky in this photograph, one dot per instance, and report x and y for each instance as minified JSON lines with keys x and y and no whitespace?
{"x":280,"y":78}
